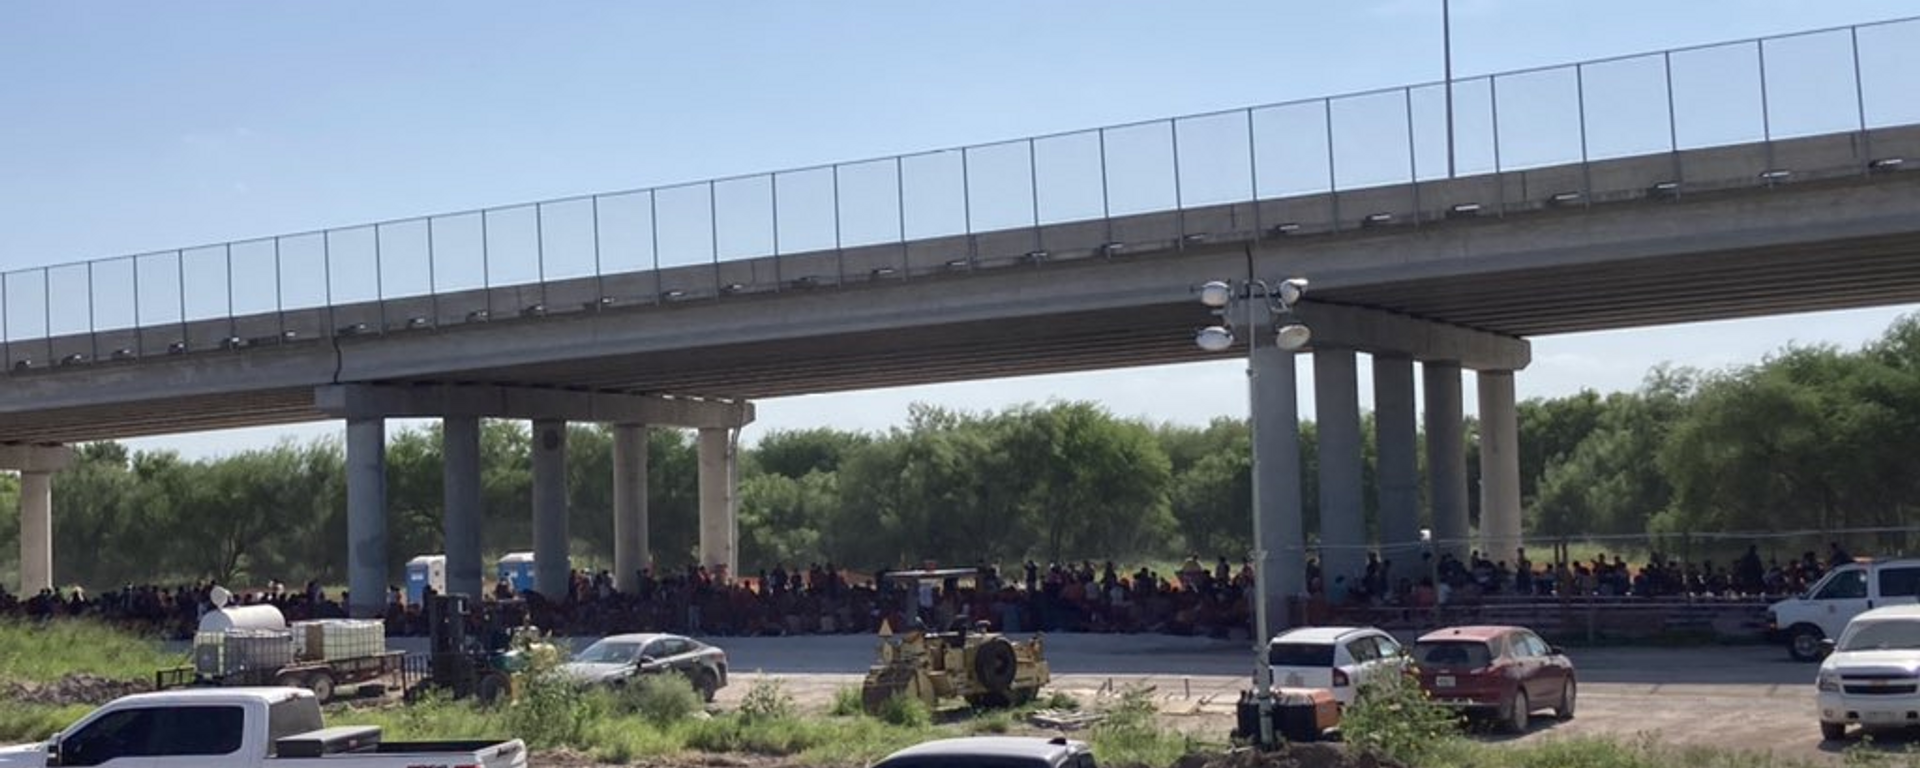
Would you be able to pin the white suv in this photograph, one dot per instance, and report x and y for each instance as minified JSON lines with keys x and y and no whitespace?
{"x":1339,"y":659}
{"x":1846,"y":592}
{"x":1872,"y":676}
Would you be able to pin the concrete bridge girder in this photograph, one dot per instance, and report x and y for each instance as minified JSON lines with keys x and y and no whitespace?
{"x":529,"y":403}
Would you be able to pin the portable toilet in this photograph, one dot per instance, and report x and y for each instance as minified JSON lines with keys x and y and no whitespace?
{"x":517,"y":569}
{"x":426,"y":571}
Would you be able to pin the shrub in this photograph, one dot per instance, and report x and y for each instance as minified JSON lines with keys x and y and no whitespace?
{"x":553,"y":712}
{"x":905,"y":711}
{"x":1391,"y":715}
{"x":1059,"y":700}
{"x":996,"y":723}
{"x":660,"y":699}
{"x":847,"y":703}
{"x":766,"y":700}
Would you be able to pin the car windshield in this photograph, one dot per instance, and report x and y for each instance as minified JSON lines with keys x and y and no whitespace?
{"x":605,"y":652}
{"x":1300,"y":654}
{"x":1452,"y":653}
{"x":1884,"y":636}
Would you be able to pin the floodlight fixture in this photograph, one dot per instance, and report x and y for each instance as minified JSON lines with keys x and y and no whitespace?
{"x":1292,"y":337}
{"x":1216,"y":294}
{"x":1292,"y":290}
{"x":1214,"y":338}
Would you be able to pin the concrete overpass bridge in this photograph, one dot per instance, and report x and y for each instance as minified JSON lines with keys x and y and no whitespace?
{"x":1584,"y":197}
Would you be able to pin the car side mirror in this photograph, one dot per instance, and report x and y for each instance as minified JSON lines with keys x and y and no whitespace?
{"x":1555,"y":650}
{"x":1826,"y":644}
{"x":53,"y":752}
{"x":645,"y":660}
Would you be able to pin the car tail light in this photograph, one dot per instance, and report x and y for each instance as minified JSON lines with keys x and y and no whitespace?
{"x":1340,"y":678}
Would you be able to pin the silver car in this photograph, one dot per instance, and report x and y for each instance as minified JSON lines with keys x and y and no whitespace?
{"x":617,"y":659}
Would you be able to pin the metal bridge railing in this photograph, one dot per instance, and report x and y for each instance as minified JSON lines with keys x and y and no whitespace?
{"x":1093,"y":192}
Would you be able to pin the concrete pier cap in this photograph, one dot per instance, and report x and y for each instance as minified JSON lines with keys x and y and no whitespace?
{"x":22,"y":457}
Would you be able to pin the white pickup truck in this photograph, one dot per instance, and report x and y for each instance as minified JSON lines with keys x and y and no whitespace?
{"x":241,"y":728}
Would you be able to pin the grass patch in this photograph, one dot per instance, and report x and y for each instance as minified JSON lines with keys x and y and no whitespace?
{"x":1131,"y":734}
{"x":847,"y":702}
{"x":21,"y":723}
{"x":1592,"y":752}
{"x":904,"y":711}
{"x":32,"y":652}
{"x":661,"y":699}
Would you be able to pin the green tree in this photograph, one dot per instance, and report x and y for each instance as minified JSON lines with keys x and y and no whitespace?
{"x":797,"y":453}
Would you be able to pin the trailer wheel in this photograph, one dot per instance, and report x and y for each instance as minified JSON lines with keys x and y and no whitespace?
{"x":492,"y":688}
{"x":321,"y":684}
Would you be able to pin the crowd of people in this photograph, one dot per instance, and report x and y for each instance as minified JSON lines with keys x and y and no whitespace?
{"x":823,"y":599}
{"x":1193,"y":599}
{"x":1453,"y":580}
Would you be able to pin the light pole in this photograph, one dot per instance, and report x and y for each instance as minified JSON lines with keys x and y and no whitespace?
{"x":1446,"y":53}
{"x":1289,"y":335}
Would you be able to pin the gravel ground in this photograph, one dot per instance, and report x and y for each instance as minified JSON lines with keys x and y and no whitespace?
{"x":1734,"y":697}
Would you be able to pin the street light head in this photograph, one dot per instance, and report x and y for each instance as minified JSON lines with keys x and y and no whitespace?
{"x":1216,"y":294}
{"x":1292,"y":337}
{"x":1292,"y":289}
{"x":1214,"y":338}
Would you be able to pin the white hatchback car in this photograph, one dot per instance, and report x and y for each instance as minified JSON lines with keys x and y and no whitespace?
{"x":1339,"y":659}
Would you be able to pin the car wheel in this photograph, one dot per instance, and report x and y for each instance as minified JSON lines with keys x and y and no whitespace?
{"x":1833,"y":731}
{"x":1567,"y":693}
{"x":1517,"y":712}
{"x":706,"y":684}
{"x":1804,"y":643}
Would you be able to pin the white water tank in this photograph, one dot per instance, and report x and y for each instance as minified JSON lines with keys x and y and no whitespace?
{"x":243,"y":617}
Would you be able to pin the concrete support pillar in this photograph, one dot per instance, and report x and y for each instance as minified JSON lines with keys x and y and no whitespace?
{"x":36,"y":465}
{"x":366,"y":516}
{"x":1281,"y":560}
{"x":1397,"y":475}
{"x":460,"y":521}
{"x":551,"y":568}
{"x":36,"y":532}
{"x":1446,"y":457}
{"x":717,"y":546}
{"x":1343,"y":524}
{"x":631,"y":549}
{"x":1499,"y":467}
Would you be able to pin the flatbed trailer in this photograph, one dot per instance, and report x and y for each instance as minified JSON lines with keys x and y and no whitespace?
{"x":320,"y":677}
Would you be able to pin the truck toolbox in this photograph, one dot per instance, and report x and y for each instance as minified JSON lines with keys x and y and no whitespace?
{"x":330,"y":741}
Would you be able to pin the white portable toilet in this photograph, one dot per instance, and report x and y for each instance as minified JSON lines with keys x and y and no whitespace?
{"x":426,"y":571}
{"x":517,"y":569}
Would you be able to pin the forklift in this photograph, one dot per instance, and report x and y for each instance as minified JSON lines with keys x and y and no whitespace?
{"x":487,"y":666}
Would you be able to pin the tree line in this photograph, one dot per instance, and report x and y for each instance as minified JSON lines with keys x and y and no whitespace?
{"x":1809,"y":438}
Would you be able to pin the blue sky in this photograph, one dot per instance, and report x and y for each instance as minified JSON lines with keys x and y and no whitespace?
{"x":134,"y":127}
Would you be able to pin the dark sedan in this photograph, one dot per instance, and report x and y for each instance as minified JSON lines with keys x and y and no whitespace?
{"x":616,"y":659}
{"x":1504,"y":672}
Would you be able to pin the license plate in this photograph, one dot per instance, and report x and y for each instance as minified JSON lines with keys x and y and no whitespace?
{"x":1880,"y":717}
{"x":1443,"y":681}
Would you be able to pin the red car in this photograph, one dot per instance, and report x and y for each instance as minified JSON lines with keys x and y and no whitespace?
{"x":1505,"y":672}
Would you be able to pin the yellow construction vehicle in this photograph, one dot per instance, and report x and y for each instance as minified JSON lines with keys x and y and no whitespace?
{"x":985,"y":668}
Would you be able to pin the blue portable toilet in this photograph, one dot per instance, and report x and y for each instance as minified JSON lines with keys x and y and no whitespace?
{"x":517,"y":569}
{"x":425,"y":571}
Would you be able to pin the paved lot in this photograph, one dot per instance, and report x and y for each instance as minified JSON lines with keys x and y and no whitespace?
{"x":1741,"y":697}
